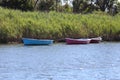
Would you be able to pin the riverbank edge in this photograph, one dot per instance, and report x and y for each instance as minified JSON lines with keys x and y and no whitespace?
{"x":55,"y":41}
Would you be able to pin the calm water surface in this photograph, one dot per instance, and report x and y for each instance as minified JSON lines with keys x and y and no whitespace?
{"x":60,"y":62}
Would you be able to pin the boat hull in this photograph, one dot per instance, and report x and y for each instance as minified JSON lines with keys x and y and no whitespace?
{"x":96,"y":40}
{"x":77,"y":41}
{"x":29,"y":41}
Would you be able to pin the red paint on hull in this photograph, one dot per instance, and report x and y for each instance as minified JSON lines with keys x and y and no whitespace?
{"x":77,"y":41}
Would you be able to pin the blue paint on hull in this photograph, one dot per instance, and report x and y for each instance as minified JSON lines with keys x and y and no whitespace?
{"x":30,"y":41}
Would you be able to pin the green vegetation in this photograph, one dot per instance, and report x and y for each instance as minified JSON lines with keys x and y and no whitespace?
{"x":15,"y":24}
{"x":24,"y":5}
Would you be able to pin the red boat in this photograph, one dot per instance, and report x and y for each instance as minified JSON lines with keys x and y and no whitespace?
{"x":77,"y":41}
{"x":96,"y":40}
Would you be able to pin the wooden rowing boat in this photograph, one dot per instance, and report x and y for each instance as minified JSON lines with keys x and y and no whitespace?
{"x":77,"y":41}
{"x":30,"y":41}
{"x":96,"y":40}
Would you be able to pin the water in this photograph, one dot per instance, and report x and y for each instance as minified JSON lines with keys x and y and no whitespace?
{"x":60,"y":62}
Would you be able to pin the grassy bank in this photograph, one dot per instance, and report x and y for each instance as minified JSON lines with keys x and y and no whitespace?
{"x":15,"y":24}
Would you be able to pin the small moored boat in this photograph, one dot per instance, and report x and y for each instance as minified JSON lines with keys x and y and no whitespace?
{"x":77,"y":41}
{"x":30,"y":41}
{"x":96,"y":40}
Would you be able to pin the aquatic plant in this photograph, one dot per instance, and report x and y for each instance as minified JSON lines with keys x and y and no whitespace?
{"x":15,"y":24}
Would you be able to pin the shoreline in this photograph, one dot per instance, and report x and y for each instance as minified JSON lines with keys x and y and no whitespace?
{"x":116,"y":41}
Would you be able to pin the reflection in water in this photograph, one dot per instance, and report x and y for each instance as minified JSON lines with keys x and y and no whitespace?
{"x":60,"y":62}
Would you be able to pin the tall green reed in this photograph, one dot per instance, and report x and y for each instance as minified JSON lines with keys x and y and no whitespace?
{"x":15,"y":24}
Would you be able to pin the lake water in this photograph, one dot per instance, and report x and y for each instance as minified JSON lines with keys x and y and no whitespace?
{"x":60,"y":62}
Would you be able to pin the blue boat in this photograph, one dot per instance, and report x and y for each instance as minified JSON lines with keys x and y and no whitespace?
{"x":30,"y":41}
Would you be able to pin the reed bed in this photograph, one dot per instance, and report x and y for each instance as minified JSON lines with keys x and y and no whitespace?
{"x":15,"y":24}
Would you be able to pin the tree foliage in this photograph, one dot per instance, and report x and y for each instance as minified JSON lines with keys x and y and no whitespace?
{"x":83,"y":6}
{"x":118,"y":7}
{"x":109,"y":5}
{"x":18,"y":4}
{"x":46,"y":5}
{"x":80,"y":6}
